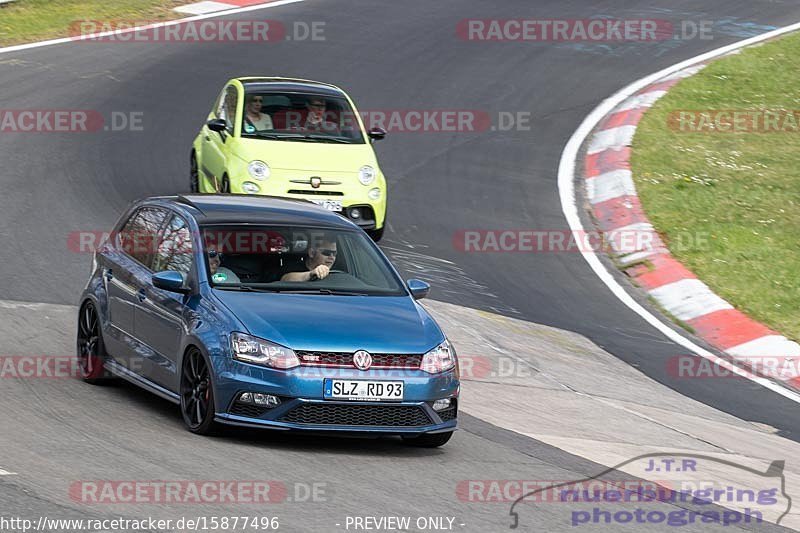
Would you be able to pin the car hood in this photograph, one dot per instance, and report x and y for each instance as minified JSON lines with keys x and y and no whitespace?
{"x":378,"y":324}
{"x":307,"y":156}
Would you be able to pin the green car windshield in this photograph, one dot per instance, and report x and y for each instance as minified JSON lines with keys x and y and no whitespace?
{"x":300,"y":117}
{"x":297,"y":260}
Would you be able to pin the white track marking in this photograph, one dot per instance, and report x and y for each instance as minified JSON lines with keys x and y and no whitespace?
{"x":7,"y":473}
{"x":566,"y":189}
{"x":201,"y":8}
{"x":612,"y":139}
{"x":688,"y":298}
{"x":65,"y":40}
{"x":766,"y":346}
{"x":610,"y":185}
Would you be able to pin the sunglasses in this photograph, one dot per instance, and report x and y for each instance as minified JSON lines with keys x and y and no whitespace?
{"x":214,"y":254}
{"x":328,"y":253}
{"x":317,"y":106}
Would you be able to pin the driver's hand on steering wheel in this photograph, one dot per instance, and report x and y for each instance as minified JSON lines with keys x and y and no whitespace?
{"x":320,"y":272}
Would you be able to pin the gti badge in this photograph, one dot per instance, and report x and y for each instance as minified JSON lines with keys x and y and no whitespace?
{"x":362,"y":359}
{"x":316,"y":182}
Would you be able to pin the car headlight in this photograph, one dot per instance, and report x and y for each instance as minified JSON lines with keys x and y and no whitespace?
{"x":258,"y":170}
{"x":374,"y":194}
{"x":257,"y":351}
{"x":366,"y":175}
{"x":440,"y":359}
{"x":250,"y":188}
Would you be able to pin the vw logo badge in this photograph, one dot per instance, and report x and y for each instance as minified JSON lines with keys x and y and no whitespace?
{"x":316,"y":182}
{"x":362,"y":359}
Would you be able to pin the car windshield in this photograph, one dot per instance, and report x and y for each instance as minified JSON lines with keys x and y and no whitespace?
{"x":297,"y":260}
{"x":299,"y":117}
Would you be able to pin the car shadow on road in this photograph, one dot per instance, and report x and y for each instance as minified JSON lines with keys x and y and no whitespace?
{"x":170,"y":415}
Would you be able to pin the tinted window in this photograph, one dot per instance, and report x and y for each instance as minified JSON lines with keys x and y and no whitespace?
{"x":174,"y":248}
{"x":139,"y":235}
{"x":300,"y":117}
{"x":276,"y":258}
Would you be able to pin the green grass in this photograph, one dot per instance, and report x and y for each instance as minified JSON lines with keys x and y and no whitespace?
{"x":738,"y":192}
{"x":33,"y":20}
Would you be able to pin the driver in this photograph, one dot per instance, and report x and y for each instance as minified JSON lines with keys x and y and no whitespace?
{"x":318,"y":262}
{"x":219,"y":274}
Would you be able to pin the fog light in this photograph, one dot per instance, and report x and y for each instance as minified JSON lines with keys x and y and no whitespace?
{"x":355,"y":213}
{"x":264,"y":400}
{"x":374,"y":194}
{"x":441,"y":405}
{"x":250,"y":188}
{"x":267,"y":400}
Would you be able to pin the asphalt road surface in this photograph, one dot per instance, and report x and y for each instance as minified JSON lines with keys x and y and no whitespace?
{"x":388,"y":56}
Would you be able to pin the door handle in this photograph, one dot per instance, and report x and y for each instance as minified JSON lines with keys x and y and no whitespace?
{"x":109,"y":274}
{"x":141,"y":295}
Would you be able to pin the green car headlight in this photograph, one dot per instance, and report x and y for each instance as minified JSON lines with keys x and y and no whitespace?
{"x":258,"y":170}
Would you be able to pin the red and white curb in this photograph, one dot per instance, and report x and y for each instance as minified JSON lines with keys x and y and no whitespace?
{"x":611,"y":193}
{"x":203,"y":8}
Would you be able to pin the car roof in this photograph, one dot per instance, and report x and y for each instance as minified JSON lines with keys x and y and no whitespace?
{"x":210,"y":209}
{"x":294,"y":85}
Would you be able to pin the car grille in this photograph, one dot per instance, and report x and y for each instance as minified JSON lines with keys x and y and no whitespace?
{"x":315,"y":192}
{"x":358,"y":415}
{"x":343,"y":359}
{"x":251,"y":411}
{"x":450,"y":413}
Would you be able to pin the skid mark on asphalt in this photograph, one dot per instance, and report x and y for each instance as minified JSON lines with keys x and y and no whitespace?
{"x":448,"y":280}
{"x":720,"y":26}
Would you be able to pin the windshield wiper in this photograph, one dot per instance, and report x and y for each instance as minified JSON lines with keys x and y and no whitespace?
{"x":333,"y":292}
{"x":325,"y":138}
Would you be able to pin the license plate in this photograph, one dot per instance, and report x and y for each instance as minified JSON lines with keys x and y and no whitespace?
{"x":373,"y":391}
{"x":330,"y":205}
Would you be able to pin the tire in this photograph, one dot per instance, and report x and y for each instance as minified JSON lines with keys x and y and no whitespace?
{"x":377,"y":234}
{"x":197,"y":394}
{"x":194,"y":174}
{"x":429,"y":440}
{"x":91,"y":350}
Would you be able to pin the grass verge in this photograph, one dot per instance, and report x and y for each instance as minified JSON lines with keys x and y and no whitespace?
{"x":25,"y":21}
{"x":728,"y":202}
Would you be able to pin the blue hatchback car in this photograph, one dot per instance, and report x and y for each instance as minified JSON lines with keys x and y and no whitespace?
{"x":266,"y":313}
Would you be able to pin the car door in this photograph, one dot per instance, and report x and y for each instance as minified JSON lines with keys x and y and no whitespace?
{"x":160,"y":314}
{"x":122,"y":265}
{"x":214,"y":162}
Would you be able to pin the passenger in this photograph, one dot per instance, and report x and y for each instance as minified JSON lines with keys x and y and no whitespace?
{"x":318,"y":262}
{"x":219,"y":274}
{"x":254,"y":119}
{"x":315,"y":119}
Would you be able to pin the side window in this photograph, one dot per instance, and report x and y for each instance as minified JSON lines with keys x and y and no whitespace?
{"x":174,"y":248}
{"x":227,"y":108}
{"x":140,"y":232}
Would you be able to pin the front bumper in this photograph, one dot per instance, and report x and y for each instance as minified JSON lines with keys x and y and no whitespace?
{"x":340,"y":187}
{"x":303,"y":407}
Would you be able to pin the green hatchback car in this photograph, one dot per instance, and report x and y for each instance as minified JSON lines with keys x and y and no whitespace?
{"x":293,"y":138}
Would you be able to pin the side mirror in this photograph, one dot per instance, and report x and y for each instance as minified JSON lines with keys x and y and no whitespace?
{"x":419,"y":289}
{"x":376,"y":134}
{"x":218,"y":124}
{"x":169,"y":280}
